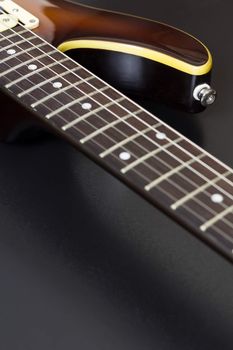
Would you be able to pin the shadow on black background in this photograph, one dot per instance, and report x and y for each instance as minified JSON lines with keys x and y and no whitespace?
{"x":104,"y":251}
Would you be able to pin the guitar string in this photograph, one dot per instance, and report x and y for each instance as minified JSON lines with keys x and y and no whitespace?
{"x":159,"y":145}
{"x":13,"y":43}
{"x":167,"y":126}
{"x":156,"y":144}
{"x":220,"y":176}
{"x":178,"y":187}
{"x":95,"y":114}
{"x":183,"y":149}
{"x":172,"y":197}
{"x":212,"y":211}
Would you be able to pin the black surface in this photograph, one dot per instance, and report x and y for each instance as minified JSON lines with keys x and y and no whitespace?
{"x":87,"y":264}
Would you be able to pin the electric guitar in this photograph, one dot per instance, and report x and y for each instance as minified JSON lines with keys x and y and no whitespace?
{"x":65,"y":66}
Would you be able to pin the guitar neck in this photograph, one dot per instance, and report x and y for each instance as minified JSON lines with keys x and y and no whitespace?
{"x":141,"y":150}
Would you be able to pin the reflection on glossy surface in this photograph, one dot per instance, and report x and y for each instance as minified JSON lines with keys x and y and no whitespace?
{"x":61,"y":20}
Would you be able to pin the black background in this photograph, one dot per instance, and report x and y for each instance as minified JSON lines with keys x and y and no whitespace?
{"x":87,"y":264}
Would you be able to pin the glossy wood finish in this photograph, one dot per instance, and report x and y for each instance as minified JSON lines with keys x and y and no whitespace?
{"x":61,"y":21}
{"x":118,"y":134}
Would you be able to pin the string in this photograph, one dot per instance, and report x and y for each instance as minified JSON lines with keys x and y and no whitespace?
{"x":98,"y":115}
{"x":178,"y":146}
{"x":150,"y":125}
{"x":132,"y":113}
{"x":226,"y":221}
{"x":108,"y":97}
{"x":183,"y":163}
{"x":202,"y":204}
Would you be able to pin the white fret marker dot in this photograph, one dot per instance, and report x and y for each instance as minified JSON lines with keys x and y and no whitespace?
{"x":32,"y":67}
{"x":11,"y":52}
{"x":125,"y":156}
{"x":57,"y":85}
{"x":217,"y":198}
{"x":86,"y":106}
{"x":161,"y":135}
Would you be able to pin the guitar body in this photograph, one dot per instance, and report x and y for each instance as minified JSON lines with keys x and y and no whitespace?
{"x":85,"y":260}
{"x":141,"y":58}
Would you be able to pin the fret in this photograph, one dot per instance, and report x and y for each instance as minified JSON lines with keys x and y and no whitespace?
{"x":104,"y":128}
{"x":145,"y":157}
{"x":85,"y":88}
{"x":50,"y":80}
{"x":149,"y":140}
{"x":225,"y":183}
{"x":192,"y":194}
{"x":12,"y":69}
{"x":66,"y":115}
{"x":216,"y":218}
{"x":41,"y":77}
{"x":223,"y":228}
{"x":6,"y":37}
{"x":22,"y":52}
{"x":67,"y":126}
{"x":58,"y":92}
{"x":11,"y":45}
{"x":173,"y":171}
{"x":208,"y":167}
{"x":34,"y":77}
{"x":118,"y":131}
{"x":137,"y":146}
{"x":221,"y":234}
{"x":71,"y":84}
{"x":203,"y":205}
{"x":125,"y":141}
{"x":177,"y":185}
{"x":17,"y":81}
{"x":71,"y":104}
{"x":15,"y":37}
{"x":20,"y":33}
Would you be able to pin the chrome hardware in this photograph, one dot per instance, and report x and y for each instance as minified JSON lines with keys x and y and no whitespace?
{"x":205,"y":94}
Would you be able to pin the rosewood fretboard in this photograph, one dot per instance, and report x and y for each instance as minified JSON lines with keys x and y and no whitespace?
{"x":159,"y":163}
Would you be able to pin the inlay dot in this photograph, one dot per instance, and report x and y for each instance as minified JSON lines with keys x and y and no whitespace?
{"x":32,"y":67}
{"x":125,"y":155}
{"x":11,"y":51}
{"x":217,"y":198}
{"x":86,"y":105}
{"x":57,"y":85}
{"x":161,"y":135}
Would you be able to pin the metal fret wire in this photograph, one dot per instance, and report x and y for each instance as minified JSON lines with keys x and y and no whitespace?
{"x":12,"y":35}
{"x":39,"y":70}
{"x":79,"y":77}
{"x":169,"y":180}
{"x":18,"y":42}
{"x":226,"y":221}
{"x":24,"y":51}
{"x":172,"y":142}
{"x":183,"y":149}
{"x":166,"y":125}
{"x":161,"y":148}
